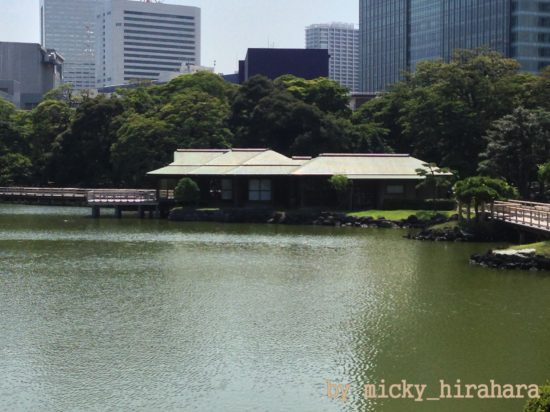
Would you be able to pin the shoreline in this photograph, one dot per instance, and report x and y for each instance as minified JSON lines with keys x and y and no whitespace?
{"x":299,"y":217}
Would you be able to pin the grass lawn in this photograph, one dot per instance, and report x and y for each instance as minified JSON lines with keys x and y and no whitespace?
{"x":400,"y":214}
{"x":445,"y":226}
{"x":542,"y":248}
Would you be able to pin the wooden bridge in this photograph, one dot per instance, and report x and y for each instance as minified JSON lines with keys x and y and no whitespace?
{"x":140,"y":200}
{"x":123,"y":199}
{"x":47,"y":195}
{"x":531,"y":216}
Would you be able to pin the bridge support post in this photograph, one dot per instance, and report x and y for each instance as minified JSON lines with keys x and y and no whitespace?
{"x":522,"y":237}
{"x":118,"y":212}
{"x":96,"y":212}
{"x":141,"y":212}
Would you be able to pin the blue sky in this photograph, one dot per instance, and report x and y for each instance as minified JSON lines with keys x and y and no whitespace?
{"x":229,"y":27}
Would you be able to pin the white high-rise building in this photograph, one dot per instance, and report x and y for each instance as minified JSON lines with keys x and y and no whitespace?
{"x":141,"y":40}
{"x":68,"y":27}
{"x":342,"y":42}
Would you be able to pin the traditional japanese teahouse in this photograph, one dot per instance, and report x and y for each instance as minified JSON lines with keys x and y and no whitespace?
{"x":255,"y":177}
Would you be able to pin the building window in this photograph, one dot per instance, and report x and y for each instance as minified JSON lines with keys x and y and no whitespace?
{"x":259,"y":190}
{"x":227,"y":189}
{"x":395,"y":189}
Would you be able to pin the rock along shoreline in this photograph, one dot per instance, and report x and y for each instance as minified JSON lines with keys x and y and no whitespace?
{"x":299,"y":217}
{"x":526,"y":259}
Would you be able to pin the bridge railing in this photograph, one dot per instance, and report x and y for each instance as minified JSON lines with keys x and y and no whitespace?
{"x":43,"y":192}
{"x":534,"y":215}
{"x":122,"y":196}
{"x":536,"y":205}
{"x":166,"y":194}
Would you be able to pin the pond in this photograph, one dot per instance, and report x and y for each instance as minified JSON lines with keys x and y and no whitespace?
{"x":152,"y":315}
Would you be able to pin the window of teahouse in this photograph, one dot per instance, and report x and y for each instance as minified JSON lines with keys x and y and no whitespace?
{"x":259,"y":190}
{"x":227,"y":189}
{"x":395,"y":189}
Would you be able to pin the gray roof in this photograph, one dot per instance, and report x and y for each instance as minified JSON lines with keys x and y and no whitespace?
{"x":265,"y":162}
{"x":219,"y":162}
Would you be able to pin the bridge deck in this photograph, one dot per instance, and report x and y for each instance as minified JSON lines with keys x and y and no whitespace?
{"x":122,"y":197}
{"x":529,"y":215}
{"x":43,"y":193}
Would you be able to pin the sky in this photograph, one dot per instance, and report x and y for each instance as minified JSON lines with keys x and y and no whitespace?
{"x":229,"y":27}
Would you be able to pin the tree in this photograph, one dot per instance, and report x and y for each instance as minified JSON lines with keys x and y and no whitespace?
{"x":542,"y":403}
{"x":187,"y":192}
{"x":14,"y":129}
{"x":15,"y":168}
{"x":49,"y":120}
{"x":479,"y":191}
{"x":247,"y":97}
{"x":276,"y":122}
{"x":142,"y":144}
{"x":440,"y":112}
{"x":202,"y":81}
{"x":327,"y":95}
{"x":81,"y":155}
{"x":544,"y":177}
{"x":64,"y":93}
{"x":435,"y":178}
{"x":198,"y":120}
{"x":516,"y":144}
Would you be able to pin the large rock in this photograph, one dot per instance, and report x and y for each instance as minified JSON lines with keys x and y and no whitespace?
{"x":526,"y":259}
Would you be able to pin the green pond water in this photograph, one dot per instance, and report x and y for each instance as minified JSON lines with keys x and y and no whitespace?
{"x":150,"y":315}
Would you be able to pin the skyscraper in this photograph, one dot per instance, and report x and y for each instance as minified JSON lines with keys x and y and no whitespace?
{"x":398,"y":34}
{"x":342,"y":42}
{"x":68,"y":27}
{"x":141,"y":40}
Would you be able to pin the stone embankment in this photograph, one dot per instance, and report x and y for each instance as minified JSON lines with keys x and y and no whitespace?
{"x":298,"y":217}
{"x":526,"y":259}
{"x":452,"y":234}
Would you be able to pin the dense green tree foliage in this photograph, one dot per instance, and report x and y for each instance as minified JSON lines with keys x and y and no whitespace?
{"x":474,"y":114}
{"x":143,"y":144}
{"x":478,"y":191}
{"x":441,"y":112}
{"x":81,"y":154}
{"x":515,"y":145}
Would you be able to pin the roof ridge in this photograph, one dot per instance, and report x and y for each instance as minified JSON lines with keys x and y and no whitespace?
{"x":363,"y":155}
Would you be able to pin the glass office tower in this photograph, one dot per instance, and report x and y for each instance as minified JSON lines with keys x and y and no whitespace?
{"x":384,"y":42}
{"x":398,"y":34}
{"x":530,"y":34}
{"x":68,"y":26}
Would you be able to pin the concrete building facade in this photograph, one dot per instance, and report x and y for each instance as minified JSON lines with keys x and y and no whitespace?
{"x":27,"y":72}
{"x":342,"y":42}
{"x":395,"y":35}
{"x":138,"y":41}
{"x":68,"y":26}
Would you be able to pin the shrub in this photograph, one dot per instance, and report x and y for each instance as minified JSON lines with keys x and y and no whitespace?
{"x":541,"y":404}
{"x":340,"y":183}
{"x":187,"y":192}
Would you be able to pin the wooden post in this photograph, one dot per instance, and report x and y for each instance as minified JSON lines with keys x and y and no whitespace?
{"x":96,"y":212}
{"x":118,"y":212}
{"x":141,"y":212}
